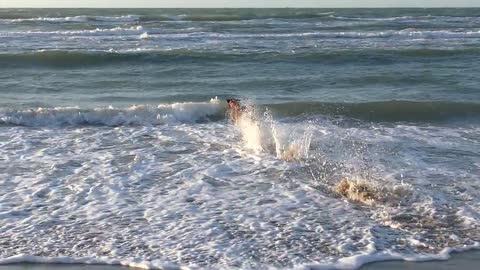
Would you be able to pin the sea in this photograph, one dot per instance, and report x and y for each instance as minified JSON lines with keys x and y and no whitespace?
{"x":359,"y":138}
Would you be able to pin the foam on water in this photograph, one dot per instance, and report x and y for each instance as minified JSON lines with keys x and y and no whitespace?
{"x":196,"y":195}
{"x":353,"y":262}
{"x":145,"y":35}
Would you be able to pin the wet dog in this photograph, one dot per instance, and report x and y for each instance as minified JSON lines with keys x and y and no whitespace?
{"x":234,"y":109}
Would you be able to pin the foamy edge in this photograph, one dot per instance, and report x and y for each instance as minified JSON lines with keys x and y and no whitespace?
{"x":357,"y":261}
{"x":352,"y":262}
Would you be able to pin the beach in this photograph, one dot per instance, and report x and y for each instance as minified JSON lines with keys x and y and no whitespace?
{"x":467,"y":260}
{"x":356,"y":138}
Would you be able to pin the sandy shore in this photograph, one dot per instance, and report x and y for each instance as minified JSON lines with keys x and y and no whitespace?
{"x":464,"y":261}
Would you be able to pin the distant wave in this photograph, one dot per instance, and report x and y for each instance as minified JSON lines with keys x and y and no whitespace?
{"x":86,"y":32}
{"x":175,"y":17}
{"x":186,"y":33}
{"x":230,"y":16}
{"x":81,"y":18}
{"x":71,"y":59}
{"x":249,"y":16}
{"x":192,"y":112}
{"x":357,"y":34}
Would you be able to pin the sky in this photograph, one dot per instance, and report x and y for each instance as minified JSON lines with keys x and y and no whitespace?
{"x":237,"y":3}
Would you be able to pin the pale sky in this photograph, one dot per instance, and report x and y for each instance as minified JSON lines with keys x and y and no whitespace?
{"x":237,"y":3}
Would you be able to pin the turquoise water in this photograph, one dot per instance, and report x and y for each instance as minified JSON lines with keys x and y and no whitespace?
{"x":115,"y":146}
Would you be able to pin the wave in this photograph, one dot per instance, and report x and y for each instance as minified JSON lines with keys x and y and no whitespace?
{"x":235,"y":16}
{"x":193,"y":112}
{"x":70,"y":59}
{"x":365,"y":34}
{"x":80,"y":18}
{"x":395,"y":18}
{"x":410,"y":32}
{"x":250,"y":16}
{"x":383,"y":110}
{"x":199,"y":17}
{"x":187,"y":112}
{"x":87,"y":32}
{"x":415,"y":18}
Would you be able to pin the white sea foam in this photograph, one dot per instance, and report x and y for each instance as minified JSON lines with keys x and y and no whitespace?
{"x":145,"y":35}
{"x":355,"y":262}
{"x":347,"y":263}
{"x":194,"y":196}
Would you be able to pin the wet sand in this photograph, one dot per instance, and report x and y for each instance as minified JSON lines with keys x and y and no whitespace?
{"x":464,"y":261}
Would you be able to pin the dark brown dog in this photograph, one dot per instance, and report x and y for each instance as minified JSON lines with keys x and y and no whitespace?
{"x":234,"y":109}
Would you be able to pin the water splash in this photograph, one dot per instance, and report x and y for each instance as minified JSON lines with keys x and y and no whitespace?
{"x":371,"y":192}
{"x":263,"y":133}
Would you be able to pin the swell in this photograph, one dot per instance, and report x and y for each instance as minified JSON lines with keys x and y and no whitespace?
{"x":194,"y":112}
{"x":389,"y":111}
{"x":93,"y":58}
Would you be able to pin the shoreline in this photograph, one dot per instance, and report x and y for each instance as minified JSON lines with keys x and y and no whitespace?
{"x":466,"y":260}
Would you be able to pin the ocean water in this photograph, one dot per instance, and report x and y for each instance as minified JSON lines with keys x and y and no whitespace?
{"x":361,"y":139}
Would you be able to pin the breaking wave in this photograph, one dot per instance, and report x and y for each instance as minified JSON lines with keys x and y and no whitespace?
{"x":187,"y":112}
{"x":192,"y":112}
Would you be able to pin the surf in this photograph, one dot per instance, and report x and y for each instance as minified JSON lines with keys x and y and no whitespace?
{"x":261,"y":133}
{"x":185,"y":112}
